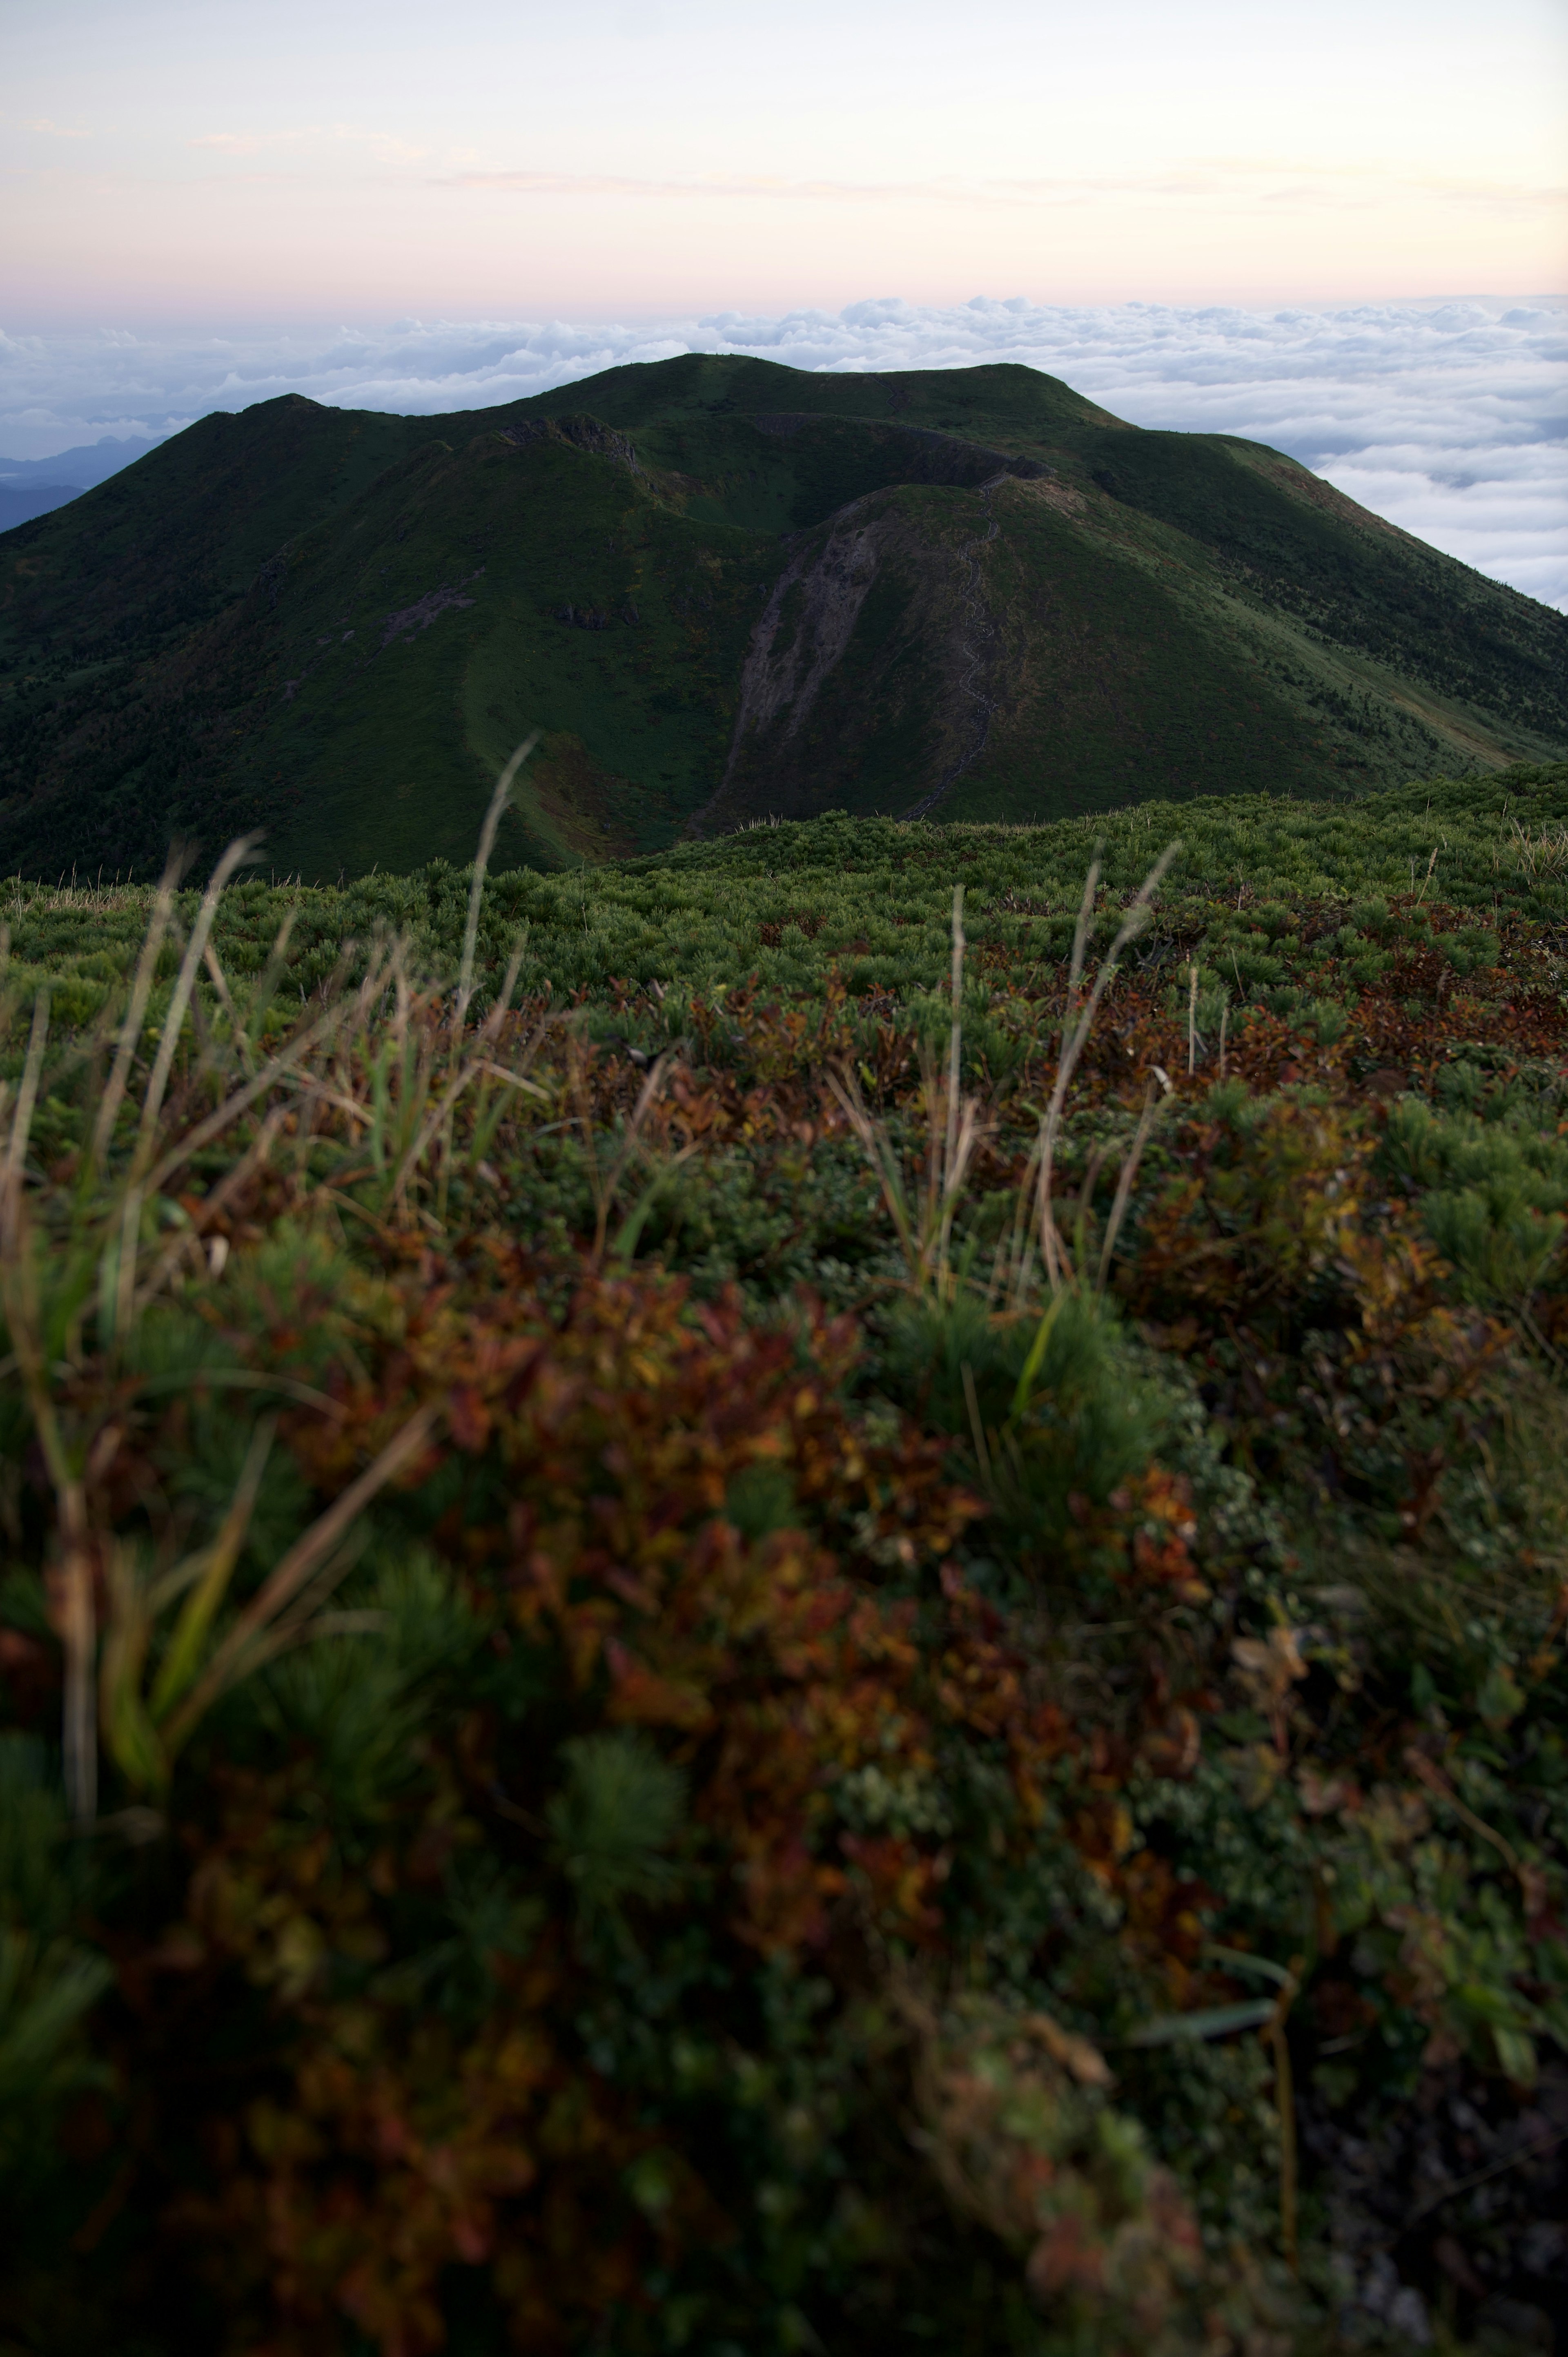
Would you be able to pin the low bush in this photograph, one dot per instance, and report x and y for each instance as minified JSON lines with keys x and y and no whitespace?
{"x":708,"y":1673}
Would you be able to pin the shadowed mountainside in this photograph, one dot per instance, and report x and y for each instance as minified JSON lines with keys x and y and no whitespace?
{"x":722,"y":589}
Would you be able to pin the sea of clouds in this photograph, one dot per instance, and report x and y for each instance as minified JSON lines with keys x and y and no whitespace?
{"x":1450,"y":419}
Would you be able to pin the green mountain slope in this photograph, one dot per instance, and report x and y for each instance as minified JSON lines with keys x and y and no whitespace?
{"x":722,"y":589}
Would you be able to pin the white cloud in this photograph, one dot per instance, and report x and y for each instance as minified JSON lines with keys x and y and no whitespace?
{"x":1447,"y":418}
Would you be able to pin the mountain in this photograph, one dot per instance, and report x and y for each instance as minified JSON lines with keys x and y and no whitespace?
{"x":88,"y":464}
{"x":38,"y":499}
{"x":724,"y":589}
{"x":34,"y":486}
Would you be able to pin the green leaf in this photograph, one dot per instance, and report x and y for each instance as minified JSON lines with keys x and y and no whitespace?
{"x":1501,"y":1698}
{"x":1210,"y":2022}
{"x":1516,"y":2053}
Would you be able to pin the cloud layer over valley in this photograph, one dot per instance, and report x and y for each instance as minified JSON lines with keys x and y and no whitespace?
{"x":1449,"y":419}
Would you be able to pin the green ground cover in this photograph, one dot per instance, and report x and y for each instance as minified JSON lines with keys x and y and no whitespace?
{"x":876,"y":896}
{"x":744,"y":1612}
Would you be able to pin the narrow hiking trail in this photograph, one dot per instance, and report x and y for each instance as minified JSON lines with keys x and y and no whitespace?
{"x":980,"y":629}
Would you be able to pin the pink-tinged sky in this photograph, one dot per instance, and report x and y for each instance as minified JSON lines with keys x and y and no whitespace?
{"x":180,"y":161}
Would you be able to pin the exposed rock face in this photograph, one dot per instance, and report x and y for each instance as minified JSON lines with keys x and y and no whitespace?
{"x":426,"y":610}
{"x":874,"y":635}
{"x":824,"y":588}
{"x":583,"y":432}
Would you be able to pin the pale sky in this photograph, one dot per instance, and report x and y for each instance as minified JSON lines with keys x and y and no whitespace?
{"x":204,"y":161}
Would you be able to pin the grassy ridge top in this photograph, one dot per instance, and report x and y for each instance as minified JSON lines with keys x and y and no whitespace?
{"x":1020,"y":408}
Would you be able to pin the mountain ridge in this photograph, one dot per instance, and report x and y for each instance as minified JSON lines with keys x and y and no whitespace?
{"x":723,"y":588}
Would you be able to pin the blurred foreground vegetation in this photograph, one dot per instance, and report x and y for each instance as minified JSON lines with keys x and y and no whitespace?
{"x":751,"y":1606}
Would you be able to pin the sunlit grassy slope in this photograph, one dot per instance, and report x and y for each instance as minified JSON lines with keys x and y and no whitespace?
{"x":722,"y":589}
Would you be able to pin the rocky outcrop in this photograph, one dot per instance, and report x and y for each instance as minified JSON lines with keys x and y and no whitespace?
{"x":805,"y":627}
{"x":412,"y":620}
{"x":872,"y":671}
{"x":582,"y":432}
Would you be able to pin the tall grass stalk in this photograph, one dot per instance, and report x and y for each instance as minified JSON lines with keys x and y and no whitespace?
{"x":165,"y":1654}
{"x":136,"y":1009}
{"x":922,"y":1209}
{"x":923,"y":1206}
{"x":1078,"y":1022}
{"x":235,"y":856}
{"x":486,"y":843}
{"x":498,"y":801}
{"x":69,"y":1580}
{"x":281,"y":1612}
{"x":1124,"y":1177}
{"x":605,"y":1175}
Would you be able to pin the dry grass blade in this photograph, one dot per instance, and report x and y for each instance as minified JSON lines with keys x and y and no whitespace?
{"x":498,"y":1014}
{"x":238,"y":852}
{"x":259,"y":997}
{"x":438,"y":1121}
{"x":923,"y":1213}
{"x":1437,"y":1783}
{"x":1077,"y":1021}
{"x":604,"y":1178}
{"x":434,"y":1123}
{"x":125,"y":1290}
{"x":976,"y":1425}
{"x":1081,"y":928}
{"x":22,"y":1123}
{"x":178,"y":1666}
{"x":219,"y":982}
{"x":963,"y":1139}
{"x":1124,"y":1178}
{"x":275,"y":1069}
{"x":69,"y":1586}
{"x":498,"y":801}
{"x":74,"y":1616}
{"x":955,"y":1034}
{"x":877,"y":1147}
{"x":514,"y":1080}
{"x":1543,"y":854}
{"x":235,"y":1655}
{"x":136,"y":1011}
{"x":306,"y":1620}
{"x":213,"y":1207}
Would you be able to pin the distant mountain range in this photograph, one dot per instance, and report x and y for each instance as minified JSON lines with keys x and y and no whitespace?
{"x":724,"y":589}
{"x":42,"y":499}
{"x":34,"y":486}
{"x":89,"y":463}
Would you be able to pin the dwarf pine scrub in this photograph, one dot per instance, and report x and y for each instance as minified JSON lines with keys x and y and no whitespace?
{"x":809,"y":1597}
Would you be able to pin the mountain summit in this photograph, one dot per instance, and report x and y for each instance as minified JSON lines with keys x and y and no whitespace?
{"x":724,"y":589}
